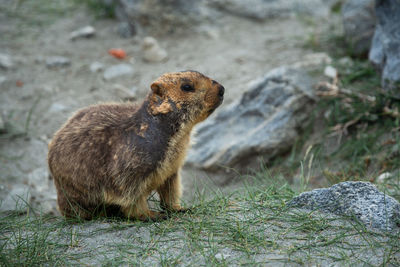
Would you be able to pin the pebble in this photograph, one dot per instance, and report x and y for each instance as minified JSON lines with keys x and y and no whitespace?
{"x":117,"y":70}
{"x":345,"y":61}
{"x":85,"y":32}
{"x":57,"y":107}
{"x":2,"y":79}
{"x":17,"y":198}
{"x":210,"y":33}
{"x":57,"y":61}
{"x":383,"y":177}
{"x":96,"y":67}
{"x":330,"y":72}
{"x":122,"y":92}
{"x":6,"y":62}
{"x":220,"y":256}
{"x":152,"y":52}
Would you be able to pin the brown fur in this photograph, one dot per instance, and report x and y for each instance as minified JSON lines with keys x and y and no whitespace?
{"x":115,"y":155}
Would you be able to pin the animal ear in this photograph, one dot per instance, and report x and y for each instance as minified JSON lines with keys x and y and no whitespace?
{"x":156,"y":88}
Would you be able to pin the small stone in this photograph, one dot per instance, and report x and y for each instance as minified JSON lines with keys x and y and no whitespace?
{"x":345,"y":61}
{"x":117,"y":70}
{"x":85,"y":32}
{"x":6,"y":62}
{"x":17,"y":199}
{"x":57,"y":107}
{"x":220,"y":256}
{"x":2,"y":79}
{"x":152,"y":52}
{"x":330,"y":72}
{"x":57,"y":61}
{"x":383,"y":177}
{"x":122,"y":92}
{"x":96,"y":67}
{"x":210,"y":33}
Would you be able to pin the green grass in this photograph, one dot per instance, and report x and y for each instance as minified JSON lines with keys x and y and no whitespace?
{"x":99,"y":8}
{"x":371,"y":141}
{"x":359,"y":138}
{"x":252,"y":226}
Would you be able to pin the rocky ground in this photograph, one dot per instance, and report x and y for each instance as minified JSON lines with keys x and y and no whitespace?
{"x":51,"y":64}
{"x":51,"y":75}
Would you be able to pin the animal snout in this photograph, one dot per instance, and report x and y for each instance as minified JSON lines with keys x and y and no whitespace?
{"x":221,"y":91}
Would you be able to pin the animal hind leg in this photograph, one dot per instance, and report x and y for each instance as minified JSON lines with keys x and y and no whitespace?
{"x":140,"y":210}
{"x":71,"y":208}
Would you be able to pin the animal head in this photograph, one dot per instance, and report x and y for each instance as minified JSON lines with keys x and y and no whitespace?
{"x":189,"y":93}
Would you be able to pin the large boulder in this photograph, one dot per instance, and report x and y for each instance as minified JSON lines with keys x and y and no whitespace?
{"x":359,"y":24}
{"x":263,"y":123}
{"x":359,"y":199}
{"x":385,"y":50}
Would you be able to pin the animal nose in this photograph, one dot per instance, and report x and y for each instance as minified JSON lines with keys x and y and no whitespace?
{"x":221,"y":91}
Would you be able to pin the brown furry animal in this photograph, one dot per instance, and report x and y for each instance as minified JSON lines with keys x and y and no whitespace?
{"x":115,"y":155}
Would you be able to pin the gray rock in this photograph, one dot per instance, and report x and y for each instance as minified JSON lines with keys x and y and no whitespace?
{"x":359,"y":24}
{"x":96,"y":67}
{"x":57,"y":107}
{"x":267,"y":9}
{"x":57,"y":61}
{"x":117,"y":70}
{"x":122,"y":92}
{"x":264,"y":122}
{"x":359,"y":199}
{"x":152,"y":52}
{"x":85,"y":32}
{"x":17,"y":199}
{"x":345,"y":61}
{"x":330,"y":72}
{"x":2,"y":79}
{"x":6,"y":62}
{"x":385,"y":49}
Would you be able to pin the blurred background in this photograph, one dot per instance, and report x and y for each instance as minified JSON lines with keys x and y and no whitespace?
{"x":312,"y":92}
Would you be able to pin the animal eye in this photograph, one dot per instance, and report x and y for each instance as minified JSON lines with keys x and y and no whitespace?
{"x":187,"y":88}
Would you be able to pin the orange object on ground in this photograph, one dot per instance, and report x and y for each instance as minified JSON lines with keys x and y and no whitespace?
{"x":19,"y":83}
{"x":117,"y":53}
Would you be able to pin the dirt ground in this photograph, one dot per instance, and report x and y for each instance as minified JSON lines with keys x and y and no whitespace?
{"x":35,"y":100}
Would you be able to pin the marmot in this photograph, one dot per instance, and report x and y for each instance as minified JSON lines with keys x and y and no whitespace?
{"x":116,"y":154}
